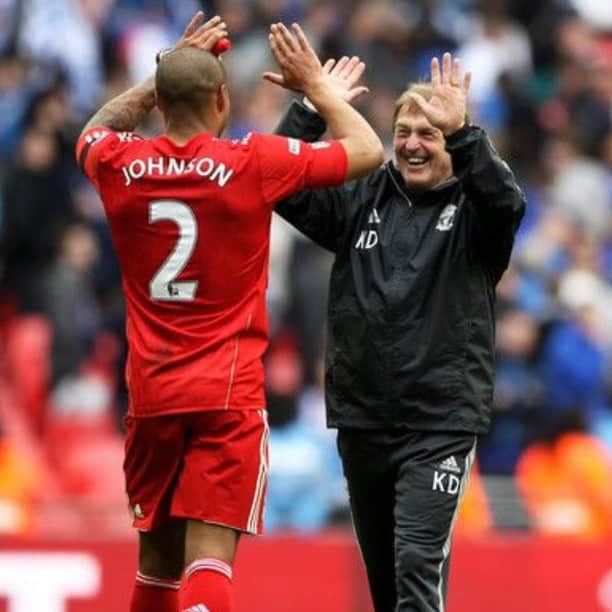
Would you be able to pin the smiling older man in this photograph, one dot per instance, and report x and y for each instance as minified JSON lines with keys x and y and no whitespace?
{"x":419,"y":245}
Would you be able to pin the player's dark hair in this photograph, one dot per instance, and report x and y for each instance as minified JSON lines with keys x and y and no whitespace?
{"x":186,"y":78}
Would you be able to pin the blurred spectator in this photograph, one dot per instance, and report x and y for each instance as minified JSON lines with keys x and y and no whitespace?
{"x":518,"y":393}
{"x":69,"y":300}
{"x":37,"y":206}
{"x":565,"y":481}
{"x":497,"y":47}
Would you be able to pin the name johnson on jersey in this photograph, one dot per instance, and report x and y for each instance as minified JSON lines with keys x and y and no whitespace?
{"x":173,"y":166}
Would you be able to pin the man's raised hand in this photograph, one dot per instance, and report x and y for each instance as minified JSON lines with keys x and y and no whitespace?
{"x":299,"y":65}
{"x":447,"y":108}
{"x":343,"y":76}
{"x":203,"y":35}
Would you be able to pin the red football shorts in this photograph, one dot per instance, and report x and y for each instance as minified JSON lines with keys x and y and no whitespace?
{"x":207,"y":466}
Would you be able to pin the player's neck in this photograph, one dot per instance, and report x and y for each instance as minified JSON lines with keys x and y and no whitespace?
{"x":184,"y":130}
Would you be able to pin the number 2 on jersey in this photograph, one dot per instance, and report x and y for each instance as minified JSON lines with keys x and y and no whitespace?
{"x":163,"y":286}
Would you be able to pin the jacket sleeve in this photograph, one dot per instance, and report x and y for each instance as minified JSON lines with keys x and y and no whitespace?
{"x":490,"y":188}
{"x":318,"y":213}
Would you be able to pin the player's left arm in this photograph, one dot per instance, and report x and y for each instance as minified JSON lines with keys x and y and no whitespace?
{"x":486,"y":179}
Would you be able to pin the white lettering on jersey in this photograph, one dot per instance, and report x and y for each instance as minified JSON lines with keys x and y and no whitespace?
{"x":320,"y":145}
{"x":170,"y":166}
{"x":128,"y":137}
{"x":93,"y":138}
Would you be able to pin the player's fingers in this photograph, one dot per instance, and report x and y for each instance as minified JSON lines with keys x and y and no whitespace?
{"x":435,"y":72}
{"x":329,"y":66}
{"x":280,"y":52}
{"x":192,"y":26}
{"x":446,"y":68}
{"x":210,"y":39}
{"x":203,"y":35}
{"x":456,"y":73}
{"x":467,"y":81}
{"x":209,"y":25}
{"x":273,"y":77}
{"x":301,"y":38}
{"x":279,"y":41}
{"x":289,"y":41}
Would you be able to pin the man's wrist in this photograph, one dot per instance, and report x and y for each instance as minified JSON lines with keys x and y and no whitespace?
{"x":454,"y":129}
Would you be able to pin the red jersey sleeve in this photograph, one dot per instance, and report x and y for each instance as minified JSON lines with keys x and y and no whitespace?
{"x":97,"y":144}
{"x":288,"y":165}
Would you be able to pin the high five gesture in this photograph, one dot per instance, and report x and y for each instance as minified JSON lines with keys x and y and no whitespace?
{"x":447,"y":107}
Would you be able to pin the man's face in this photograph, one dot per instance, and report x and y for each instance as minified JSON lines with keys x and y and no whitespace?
{"x":420,"y":152}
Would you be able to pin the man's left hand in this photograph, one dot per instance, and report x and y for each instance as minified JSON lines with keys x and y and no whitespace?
{"x":447,"y":108}
{"x":203,"y":35}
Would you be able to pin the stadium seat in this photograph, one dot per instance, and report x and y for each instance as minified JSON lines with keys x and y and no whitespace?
{"x":28,"y":343}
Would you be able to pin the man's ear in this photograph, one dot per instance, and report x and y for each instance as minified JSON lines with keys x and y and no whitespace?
{"x":158,"y":103}
{"x":222,"y":98}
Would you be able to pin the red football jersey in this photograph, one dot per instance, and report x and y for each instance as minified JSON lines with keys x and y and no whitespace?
{"x":191,"y":228}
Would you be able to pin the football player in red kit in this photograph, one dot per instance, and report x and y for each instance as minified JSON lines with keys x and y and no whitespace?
{"x":190,"y":214}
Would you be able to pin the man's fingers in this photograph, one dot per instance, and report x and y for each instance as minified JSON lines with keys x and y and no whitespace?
{"x":342,"y":62}
{"x":435,"y":72}
{"x":274,"y":77}
{"x":351,"y":65}
{"x":356,"y":72}
{"x":456,"y":73}
{"x":421,"y":102}
{"x":356,"y":93}
{"x":192,"y":26}
{"x":329,"y":66}
{"x":446,"y":68}
{"x":467,"y":81}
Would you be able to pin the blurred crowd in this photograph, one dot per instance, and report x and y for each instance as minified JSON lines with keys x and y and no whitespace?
{"x":542,"y":87}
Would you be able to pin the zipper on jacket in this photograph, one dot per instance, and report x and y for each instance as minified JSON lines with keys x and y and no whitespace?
{"x":397,"y":186}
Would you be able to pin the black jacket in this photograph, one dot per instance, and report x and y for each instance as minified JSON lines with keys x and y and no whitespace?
{"x":411,"y":322}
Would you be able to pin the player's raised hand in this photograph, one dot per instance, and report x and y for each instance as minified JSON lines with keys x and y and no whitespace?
{"x":447,"y":108}
{"x":203,"y":35}
{"x":299,"y":65}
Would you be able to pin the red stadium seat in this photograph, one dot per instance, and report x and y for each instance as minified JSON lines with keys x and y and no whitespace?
{"x":28,"y":344}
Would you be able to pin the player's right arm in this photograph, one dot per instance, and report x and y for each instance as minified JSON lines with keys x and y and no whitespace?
{"x":302,"y":71}
{"x":320,"y":214}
